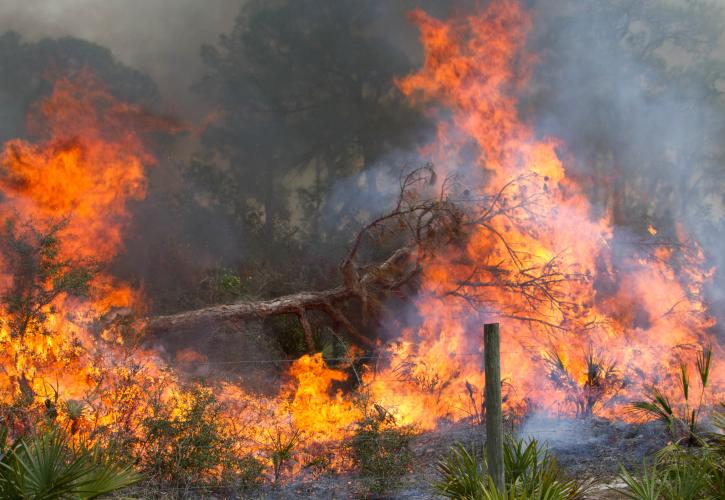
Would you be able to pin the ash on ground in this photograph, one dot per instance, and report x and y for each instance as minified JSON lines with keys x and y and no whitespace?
{"x":585,"y":449}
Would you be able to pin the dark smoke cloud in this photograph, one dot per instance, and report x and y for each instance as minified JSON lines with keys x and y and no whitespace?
{"x":159,"y":37}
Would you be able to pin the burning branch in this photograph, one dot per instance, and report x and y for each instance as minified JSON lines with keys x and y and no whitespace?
{"x":421,"y":220}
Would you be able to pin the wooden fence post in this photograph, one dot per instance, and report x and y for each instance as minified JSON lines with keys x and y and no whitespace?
{"x":494,"y":415}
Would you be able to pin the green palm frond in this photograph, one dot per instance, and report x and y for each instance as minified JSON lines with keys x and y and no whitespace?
{"x":49,"y":466}
{"x":647,"y":486}
{"x":656,"y":406}
{"x":531,"y":473}
{"x":703,"y":363}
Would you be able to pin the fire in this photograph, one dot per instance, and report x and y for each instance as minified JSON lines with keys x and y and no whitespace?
{"x":638,"y":313}
{"x":86,"y":159}
{"x":315,"y":406}
{"x":84,"y":162}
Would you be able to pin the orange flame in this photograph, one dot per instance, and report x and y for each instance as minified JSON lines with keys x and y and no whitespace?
{"x":87,"y":160}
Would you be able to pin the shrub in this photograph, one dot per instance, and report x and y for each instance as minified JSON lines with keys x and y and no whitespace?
{"x":683,"y":472}
{"x":381,"y":451}
{"x":682,"y":422}
{"x":530,"y":472}
{"x":184,"y":443}
{"x":49,"y":465}
{"x":249,"y":471}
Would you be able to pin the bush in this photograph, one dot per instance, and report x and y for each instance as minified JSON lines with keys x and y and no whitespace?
{"x":530,"y":472}
{"x":249,"y":472}
{"x":49,"y":465}
{"x":185,"y":444}
{"x":381,"y":451}
{"x":682,"y":422}
{"x":683,"y":472}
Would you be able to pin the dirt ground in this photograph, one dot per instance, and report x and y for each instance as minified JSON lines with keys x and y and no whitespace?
{"x":585,"y":449}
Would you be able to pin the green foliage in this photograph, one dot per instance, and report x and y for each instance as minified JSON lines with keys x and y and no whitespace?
{"x":281,"y":446}
{"x":225,"y":285}
{"x":682,"y":422}
{"x":187,"y":446}
{"x":531,"y":472}
{"x":249,"y":472}
{"x":683,"y":472}
{"x":381,"y":451}
{"x":461,"y":474}
{"x":48,"y":465}
{"x":647,"y":486}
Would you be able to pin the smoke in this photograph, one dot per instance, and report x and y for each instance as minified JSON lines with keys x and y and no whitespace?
{"x":643,"y":80}
{"x":557,"y":433}
{"x":159,"y":37}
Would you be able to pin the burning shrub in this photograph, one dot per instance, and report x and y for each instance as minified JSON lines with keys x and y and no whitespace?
{"x":185,"y":443}
{"x":249,"y":472}
{"x":381,"y":450}
{"x":600,"y":382}
{"x":530,"y":472}
{"x":41,"y":278}
{"x":681,"y":420}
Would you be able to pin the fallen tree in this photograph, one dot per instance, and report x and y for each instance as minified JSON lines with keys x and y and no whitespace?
{"x":426,"y":219}
{"x":391,"y":275}
{"x":416,"y":219}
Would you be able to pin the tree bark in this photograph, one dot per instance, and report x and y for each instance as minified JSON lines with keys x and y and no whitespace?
{"x":389,"y":275}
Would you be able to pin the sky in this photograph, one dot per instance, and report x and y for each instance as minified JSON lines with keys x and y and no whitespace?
{"x":159,"y":37}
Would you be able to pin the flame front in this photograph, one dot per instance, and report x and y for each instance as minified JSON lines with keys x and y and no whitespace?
{"x":85,"y":165}
{"x":638,"y":314}
{"x":544,"y":267}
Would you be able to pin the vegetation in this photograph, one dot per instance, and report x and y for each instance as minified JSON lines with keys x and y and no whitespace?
{"x":184,"y":443}
{"x":381,"y":451}
{"x":281,"y":448}
{"x":310,"y":119}
{"x":681,"y":421}
{"x":683,"y":472}
{"x":530,"y":472}
{"x":40,"y":276}
{"x":49,"y":465}
{"x":600,"y":384}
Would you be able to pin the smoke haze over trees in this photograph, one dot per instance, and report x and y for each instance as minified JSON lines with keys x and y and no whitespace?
{"x":307,"y":127}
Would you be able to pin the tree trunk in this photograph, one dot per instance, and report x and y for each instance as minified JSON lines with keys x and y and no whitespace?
{"x":392,"y":274}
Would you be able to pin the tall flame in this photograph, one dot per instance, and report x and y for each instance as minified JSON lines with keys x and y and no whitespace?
{"x":641,"y":312}
{"x":637,"y":313}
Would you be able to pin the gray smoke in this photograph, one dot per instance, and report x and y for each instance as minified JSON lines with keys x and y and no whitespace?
{"x":635,"y":90}
{"x":159,"y":37}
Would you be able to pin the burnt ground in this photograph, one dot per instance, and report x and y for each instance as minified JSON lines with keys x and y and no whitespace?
{"x":585,"y":449}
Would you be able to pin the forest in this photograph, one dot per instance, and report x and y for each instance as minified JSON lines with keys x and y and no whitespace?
{"x":250,"y":250}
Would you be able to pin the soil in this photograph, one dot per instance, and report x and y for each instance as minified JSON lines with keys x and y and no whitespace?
{"x":585,"y":449}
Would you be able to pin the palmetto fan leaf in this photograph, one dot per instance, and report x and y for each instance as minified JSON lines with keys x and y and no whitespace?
{"x":48,"y":466}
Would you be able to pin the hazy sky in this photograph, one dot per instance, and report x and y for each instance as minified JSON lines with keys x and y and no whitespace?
{"x":159,"y":37}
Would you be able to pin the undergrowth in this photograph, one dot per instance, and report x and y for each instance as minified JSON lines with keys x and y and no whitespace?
{"x":380,"y":450}
{"x":531,"y":472}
